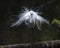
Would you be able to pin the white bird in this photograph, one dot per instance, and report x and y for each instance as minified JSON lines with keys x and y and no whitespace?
{"x":31,"y":19}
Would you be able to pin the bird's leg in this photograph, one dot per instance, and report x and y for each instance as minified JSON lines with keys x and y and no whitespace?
{"x":38,"y":25}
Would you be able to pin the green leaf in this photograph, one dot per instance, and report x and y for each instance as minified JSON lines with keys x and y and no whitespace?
{"x":56,"y":21}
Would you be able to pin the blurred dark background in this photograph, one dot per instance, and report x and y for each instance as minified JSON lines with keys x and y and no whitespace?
{"x":9,"y":9}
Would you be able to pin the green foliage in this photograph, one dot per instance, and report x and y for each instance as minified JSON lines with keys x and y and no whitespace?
{"x":56,"y":21}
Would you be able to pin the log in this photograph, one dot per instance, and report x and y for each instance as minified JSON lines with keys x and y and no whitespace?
{"x":43,"y":44}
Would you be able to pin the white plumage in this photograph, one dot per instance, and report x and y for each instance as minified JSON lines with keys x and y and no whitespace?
{"x":31,"y":19}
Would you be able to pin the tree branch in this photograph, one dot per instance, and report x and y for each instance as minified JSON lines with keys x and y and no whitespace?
{"x":44,"y":44}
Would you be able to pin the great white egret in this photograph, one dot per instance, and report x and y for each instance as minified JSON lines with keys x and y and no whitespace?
{"x":31,"y":19}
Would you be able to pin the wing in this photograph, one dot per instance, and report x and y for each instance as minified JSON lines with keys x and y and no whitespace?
{"x":22,"y":18}
{"x":39,"y":20}
{"x":42,"y":20}
{"x":20,"y":21}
